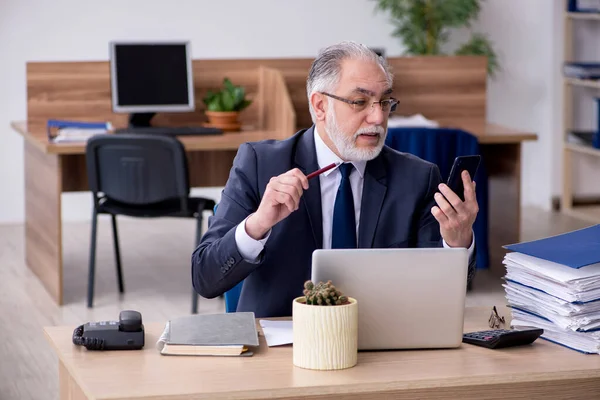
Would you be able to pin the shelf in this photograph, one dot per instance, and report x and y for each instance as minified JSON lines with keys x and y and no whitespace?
{"x":575,"y":148}
{"x":591,"y":83}
{"x":586,"y":213}
{"x":584,"y":15}
{"x":578,"y":148}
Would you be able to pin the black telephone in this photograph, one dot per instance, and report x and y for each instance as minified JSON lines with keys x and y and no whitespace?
{"x":126,"y":334}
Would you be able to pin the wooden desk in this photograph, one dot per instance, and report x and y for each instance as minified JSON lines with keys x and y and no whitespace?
{"x":52,"y":169}
{"x":540,"y":371}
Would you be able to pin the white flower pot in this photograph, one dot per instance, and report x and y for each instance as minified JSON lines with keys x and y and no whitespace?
{"x":325,"y":337}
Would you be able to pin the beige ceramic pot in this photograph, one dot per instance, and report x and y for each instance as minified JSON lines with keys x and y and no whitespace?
{"x":325,"y":337}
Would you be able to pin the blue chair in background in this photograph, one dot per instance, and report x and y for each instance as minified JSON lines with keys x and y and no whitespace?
{"x":441,"y":146}
{"x":232,"y":297}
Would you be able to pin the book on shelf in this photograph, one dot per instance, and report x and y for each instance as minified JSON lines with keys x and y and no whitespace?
{"x":584,"y":6}
{"x":554,"y":284}
{"x":227,"y":334}
{"x":582,"y":70}
{"x":584,"y":138}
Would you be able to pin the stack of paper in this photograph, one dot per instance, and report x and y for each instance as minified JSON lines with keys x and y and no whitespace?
{"x":554,"y":284}
{"x":63,"y":131}
{"x":77,"y":135}
{"x":413,"y":121}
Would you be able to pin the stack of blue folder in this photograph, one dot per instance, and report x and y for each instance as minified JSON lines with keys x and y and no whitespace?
{"x":554,"y":284}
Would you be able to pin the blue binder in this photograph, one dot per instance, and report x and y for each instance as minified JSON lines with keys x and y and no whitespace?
{"x":596,"y":139}
{"x":574,"y":249}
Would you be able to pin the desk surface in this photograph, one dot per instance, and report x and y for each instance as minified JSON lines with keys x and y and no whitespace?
{"x":226,"y":141}
{"x":542,"y":369}
{"x":492,"y":133}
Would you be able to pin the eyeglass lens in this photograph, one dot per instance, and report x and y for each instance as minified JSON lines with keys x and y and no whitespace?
{"x":386,"y":105}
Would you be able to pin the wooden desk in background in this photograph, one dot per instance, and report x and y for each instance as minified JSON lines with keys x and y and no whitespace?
{"x":542,"y":370}
{"x":53,"y":169}
{"x":449,"y":90}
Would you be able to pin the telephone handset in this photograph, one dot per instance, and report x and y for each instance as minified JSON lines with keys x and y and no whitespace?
{"x":125,"y":334}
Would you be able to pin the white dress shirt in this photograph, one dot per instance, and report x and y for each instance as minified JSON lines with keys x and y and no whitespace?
{"x":329,"y":181}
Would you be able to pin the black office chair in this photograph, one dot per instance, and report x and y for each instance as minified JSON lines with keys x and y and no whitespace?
{"x":142,"y":176}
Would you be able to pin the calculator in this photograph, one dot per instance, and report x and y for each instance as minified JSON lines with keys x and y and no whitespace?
{"x":500,"y":338}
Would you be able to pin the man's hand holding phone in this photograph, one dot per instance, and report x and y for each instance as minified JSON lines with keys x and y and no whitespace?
{"x":456,"y":217}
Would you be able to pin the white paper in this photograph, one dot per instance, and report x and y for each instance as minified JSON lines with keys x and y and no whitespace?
{"x":588,"y":342}
{"x":277,"y":333}
{"x":414,"y":121}
{"x":77,"y":134}
{"x":547,"y":296}
{"x":569,"y":284}
{"x":554,"y":271}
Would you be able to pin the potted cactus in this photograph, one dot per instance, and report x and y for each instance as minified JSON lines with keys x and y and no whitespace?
{"x":325,"y":324}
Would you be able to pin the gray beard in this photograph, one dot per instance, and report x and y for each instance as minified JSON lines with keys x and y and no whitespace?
{"x":346,"y":144}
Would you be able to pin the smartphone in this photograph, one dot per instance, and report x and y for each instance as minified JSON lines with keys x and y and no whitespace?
{"x":462,"y":163}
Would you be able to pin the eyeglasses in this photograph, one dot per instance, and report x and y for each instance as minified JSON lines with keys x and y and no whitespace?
{"x":387,"y":105}
{"x":496,"y":320}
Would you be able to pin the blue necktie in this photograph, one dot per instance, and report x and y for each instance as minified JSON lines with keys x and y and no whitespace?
{"x":343,"y":235}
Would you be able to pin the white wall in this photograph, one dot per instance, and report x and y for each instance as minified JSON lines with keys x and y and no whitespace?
{"x":522,"y":96}
{"x":74,"y":30}
{"x":528,"y":92}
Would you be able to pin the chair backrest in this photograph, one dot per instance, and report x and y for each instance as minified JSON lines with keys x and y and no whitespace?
{"x":137,"y":169}
{"x":437,"y":145}
{"x":440,"y":146}
{"x":232,"y":297}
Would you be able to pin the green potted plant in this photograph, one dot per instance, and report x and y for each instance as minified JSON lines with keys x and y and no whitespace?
{"x":325,"y":328}
{"x":223,"y":107}
{"x":425,"y":26}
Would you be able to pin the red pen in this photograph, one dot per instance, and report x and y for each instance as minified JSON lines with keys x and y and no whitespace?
{"x":320,"y":171}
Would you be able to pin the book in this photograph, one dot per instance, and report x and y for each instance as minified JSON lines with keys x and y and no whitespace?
{"x":582,"y":70}
{"x":63,"y":131}
{"x":69,"y":135}
{"x":227,"y":334}
{"x":585,"y":138}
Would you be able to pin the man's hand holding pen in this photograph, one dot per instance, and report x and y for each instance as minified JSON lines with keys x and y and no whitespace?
{"x":282,"y":197}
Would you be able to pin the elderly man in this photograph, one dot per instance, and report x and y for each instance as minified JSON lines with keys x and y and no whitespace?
{"x":271,"y":217}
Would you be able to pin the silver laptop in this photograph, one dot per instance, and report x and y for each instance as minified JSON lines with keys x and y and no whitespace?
{"x":407,"y":298}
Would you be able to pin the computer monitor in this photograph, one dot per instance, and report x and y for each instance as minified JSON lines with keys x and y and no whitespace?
{"x":151,"y":77}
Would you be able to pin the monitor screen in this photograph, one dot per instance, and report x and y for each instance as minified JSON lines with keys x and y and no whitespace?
{"x":151,"y":77}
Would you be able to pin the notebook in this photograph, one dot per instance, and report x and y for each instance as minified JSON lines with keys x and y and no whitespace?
{"x":228,"y":334}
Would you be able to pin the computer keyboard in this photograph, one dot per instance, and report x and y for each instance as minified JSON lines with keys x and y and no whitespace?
{"x":171,"y":131}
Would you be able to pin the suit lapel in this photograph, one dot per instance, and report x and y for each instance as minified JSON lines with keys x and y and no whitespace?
{"x":306,"y":160}
{"x":374,"y":189}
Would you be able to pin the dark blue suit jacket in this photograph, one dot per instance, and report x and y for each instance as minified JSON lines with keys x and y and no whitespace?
{"x":395,"y":212}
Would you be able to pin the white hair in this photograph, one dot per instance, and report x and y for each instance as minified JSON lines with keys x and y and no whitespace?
{"x":324,"y":72}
